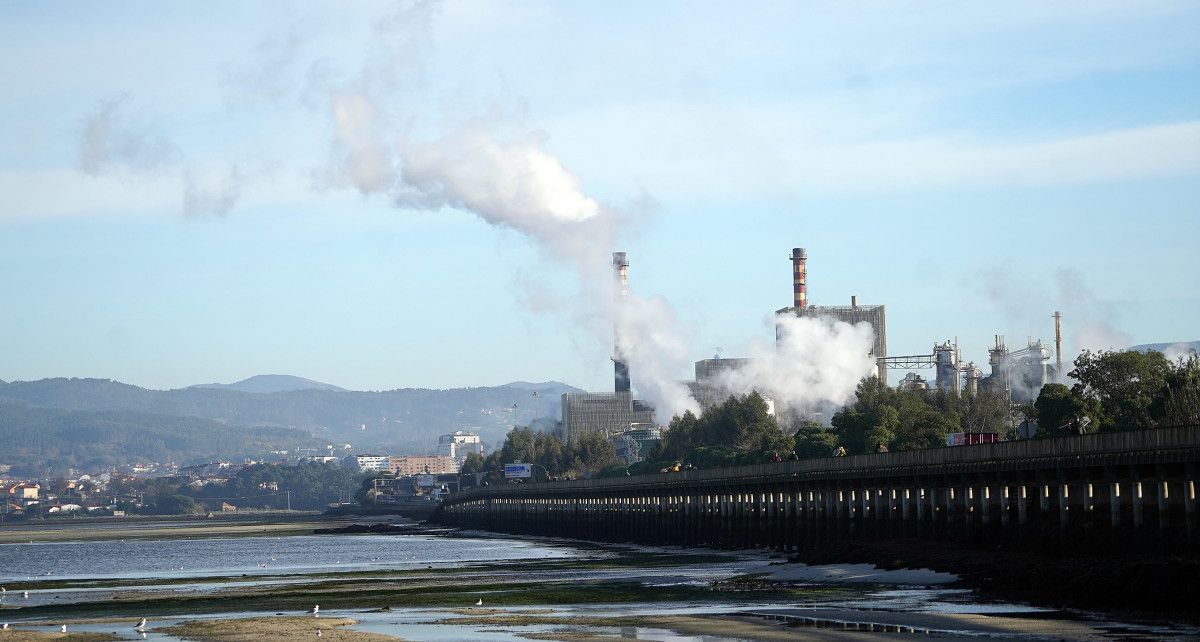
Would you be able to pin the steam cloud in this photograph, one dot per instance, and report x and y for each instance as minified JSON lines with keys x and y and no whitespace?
{"x":110,"y":140}
{"x":815,"y":361}
{"x":494,"y":167}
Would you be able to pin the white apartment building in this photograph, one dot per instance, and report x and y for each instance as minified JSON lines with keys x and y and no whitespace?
{"x":459,"y":445}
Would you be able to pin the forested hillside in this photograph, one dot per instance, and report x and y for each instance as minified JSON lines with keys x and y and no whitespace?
{"x":394,"y":420}
{"x":35,"y":440}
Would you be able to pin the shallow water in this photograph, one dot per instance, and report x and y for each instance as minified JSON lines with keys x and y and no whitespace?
{"x":271,"y":561}
{"x":207,"y":557}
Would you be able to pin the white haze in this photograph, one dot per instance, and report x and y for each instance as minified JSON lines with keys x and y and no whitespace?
{"x":498,"y":168}
{"x":815,"y":361}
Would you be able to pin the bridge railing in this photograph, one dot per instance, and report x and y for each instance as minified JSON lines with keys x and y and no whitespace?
{"x":878,"y":465}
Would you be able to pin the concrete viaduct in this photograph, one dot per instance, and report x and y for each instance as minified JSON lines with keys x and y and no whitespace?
{"x":1112,"y":491}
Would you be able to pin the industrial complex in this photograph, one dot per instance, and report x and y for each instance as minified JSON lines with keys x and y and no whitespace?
{"x":631,"y":423}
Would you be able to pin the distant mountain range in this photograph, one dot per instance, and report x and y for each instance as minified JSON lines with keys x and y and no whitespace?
{"x":263,"y":384}
{"x":267,"y":412}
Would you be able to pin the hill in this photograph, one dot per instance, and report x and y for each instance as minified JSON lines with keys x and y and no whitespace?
{"x":401,"y":420}
{"x":1172,"y":350}
{"x":268,"y":383}
{"x":35,"y":440}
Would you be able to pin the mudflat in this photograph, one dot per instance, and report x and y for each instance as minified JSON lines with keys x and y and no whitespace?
{"x":273,"y":629}
{"x":59,"y":532}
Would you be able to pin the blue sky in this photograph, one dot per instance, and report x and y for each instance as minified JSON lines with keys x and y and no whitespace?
{"x":199,"y":192}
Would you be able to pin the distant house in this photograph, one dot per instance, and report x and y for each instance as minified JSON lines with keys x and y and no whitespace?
{"x":62,"y":509}
{"x":23,"y":492}
{"x":226,"y":507}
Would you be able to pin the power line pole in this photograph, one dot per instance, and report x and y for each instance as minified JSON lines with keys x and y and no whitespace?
{"x":289,"y":499}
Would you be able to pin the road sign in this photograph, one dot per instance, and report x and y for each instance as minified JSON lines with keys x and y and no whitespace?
{"x":518,"y":470}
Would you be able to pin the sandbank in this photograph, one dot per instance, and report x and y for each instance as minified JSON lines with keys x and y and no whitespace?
{"x":273,"y":629}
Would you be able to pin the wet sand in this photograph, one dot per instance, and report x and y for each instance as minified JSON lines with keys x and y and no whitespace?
{"x":826,"y":624}
{"x":148,"y":530}
{"x":273,"y":629}
{"x":18,"y":634}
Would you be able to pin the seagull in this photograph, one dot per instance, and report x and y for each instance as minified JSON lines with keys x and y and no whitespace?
{"x":140,"y":625}
{"x":4,"y":627}
{"x":25,"y":594}
{"x":63,"y":629}
{"x":315,"y":610}
{"x":479,"y":602}
{"x":318,"y":632}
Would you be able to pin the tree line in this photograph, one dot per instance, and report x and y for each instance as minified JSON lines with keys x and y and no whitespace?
{"x":1113,"y":390}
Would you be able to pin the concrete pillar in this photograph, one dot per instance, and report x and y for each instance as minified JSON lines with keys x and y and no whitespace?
{"x":1023,"y":504}
{"x":968,"y":498}
{"x":1135,"y":498}
{"x":1064,"y":503}
{"x":985,"y":504}
{"x":920,"y":508}
{"x":1005,"y":504}
{"x":1114,"y":503}
{"x":1163,"y":487}
{"x":1189,"y":501}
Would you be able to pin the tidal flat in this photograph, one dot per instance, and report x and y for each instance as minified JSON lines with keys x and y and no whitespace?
{"x":469,"y":586}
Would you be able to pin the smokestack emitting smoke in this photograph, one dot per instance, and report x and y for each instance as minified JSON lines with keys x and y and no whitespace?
{"x":500,"y":169}
{"x":799,"y":277}
{"x":621,"y":280}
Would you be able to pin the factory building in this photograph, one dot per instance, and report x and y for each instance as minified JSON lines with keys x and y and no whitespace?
{"x":607,"y":412}
{"x":874,"y":315}
{"x":707,"y":388}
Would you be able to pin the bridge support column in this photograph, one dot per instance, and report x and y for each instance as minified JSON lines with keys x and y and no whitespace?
{"x":1005,"y":504}
{"x":1163,"y":488}
{"x":1114,"y":503}
{"x":1064,"y":503}
{"x":1189,"y":502}
{"x":1136,"y":498}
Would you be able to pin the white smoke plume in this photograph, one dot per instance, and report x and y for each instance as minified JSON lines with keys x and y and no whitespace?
{"x":1093,"y":325}
{"x":656,"y":345}
{"x":815,"y":361}
{"x":110,"y":140}
{"x":214,"y":197}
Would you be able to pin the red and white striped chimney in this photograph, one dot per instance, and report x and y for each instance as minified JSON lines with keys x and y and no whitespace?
{"x":799,"y":277}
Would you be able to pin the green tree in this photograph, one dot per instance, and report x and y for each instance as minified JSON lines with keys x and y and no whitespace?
{"x":174,"y":504}
{"x":1129,"y":388}
{"x":814,"y":440}
{"x":1059,"y":410}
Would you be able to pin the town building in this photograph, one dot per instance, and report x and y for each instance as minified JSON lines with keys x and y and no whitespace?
{"x":421,"y":464}
{"x":368,"y":463}
{"x":459,"y":444}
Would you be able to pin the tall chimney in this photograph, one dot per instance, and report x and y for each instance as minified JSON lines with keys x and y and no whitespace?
{"x":799,"y":278}
{"x":621,"y":280}
{"x":1058,"y":370}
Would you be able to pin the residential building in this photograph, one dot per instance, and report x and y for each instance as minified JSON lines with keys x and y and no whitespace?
{"x":368,"y":463}
{"x":422,"y":464}
{"x":459,"y":444}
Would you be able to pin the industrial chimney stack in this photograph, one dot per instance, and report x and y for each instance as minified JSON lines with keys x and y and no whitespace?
{"x":1058,"y":368}
{"x":621,"y":280}
{"x":799,"y":278}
